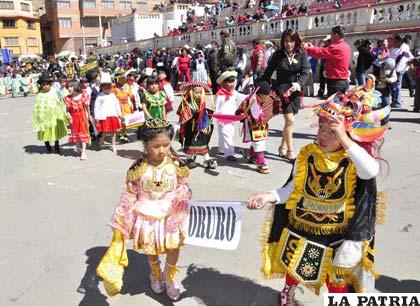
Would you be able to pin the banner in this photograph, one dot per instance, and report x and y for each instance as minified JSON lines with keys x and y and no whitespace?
{"x":88,"y":67}
{"x":214,"y":224}
{"x":133,"y":120}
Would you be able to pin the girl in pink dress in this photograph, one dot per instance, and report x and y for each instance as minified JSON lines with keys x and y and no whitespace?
{"x":152,"y":212}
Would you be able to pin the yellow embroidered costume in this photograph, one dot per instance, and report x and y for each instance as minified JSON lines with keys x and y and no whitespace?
{"x":329,"y":204}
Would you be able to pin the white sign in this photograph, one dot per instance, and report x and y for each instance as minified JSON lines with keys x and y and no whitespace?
{"x":372,"y":299}
{"x":135,"y":119}
{"x":214,"y":224}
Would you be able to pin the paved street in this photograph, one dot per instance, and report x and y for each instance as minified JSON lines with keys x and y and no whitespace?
{"x":55,"y":210}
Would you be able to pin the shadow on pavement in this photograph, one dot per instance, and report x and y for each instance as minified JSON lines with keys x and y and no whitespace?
{"x":211,"y":287}
{"x":279,"y":133}
{"x":34,"y":149}
{"x":407,"y":120}
{"x":131,"y":154}
{"x":392,"y":285}
{"x":206,"y":286}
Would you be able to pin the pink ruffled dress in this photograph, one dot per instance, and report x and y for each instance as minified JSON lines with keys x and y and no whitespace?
{"x":154,"y":207}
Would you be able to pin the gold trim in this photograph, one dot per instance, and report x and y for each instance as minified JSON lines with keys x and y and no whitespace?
{"x":322,"y":164}
{"x":270,"y":252}
{"x":381,"y":207}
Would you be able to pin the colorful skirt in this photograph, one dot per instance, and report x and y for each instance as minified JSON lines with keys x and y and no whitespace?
{"x":196,"y":143}
{"x":152,"y":237}
{"x":79,"y":128}
{"x":109,"y":125}
{"x":53,"y":133}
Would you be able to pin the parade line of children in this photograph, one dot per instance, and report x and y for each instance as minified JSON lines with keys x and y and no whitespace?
{"x":99,"y":108}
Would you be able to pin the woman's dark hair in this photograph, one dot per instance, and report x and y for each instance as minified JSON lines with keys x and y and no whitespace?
{"x":294,"y":37}
{"x":146,"y":134}
{"x":240,"y":52}
{"x":76,"y":85}
{"x":366,"y":43}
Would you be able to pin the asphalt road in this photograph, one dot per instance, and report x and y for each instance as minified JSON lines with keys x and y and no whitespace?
{"x":55,"y":210}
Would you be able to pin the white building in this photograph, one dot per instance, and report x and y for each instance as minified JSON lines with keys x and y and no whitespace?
{"x":139,"y":26}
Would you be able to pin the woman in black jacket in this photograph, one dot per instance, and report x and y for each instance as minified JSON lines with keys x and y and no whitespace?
{"x":292,"y":67}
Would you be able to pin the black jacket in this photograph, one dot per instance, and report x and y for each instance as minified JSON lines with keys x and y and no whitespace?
{"x":297,"y":72}
{"x":364,"y":60}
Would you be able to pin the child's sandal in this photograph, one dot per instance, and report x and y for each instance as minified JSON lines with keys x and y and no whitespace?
{"x":263,"y":169}
{"x":211,"y":164}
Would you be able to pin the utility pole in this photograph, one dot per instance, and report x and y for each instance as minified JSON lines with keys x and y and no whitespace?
{"x":83,"y":39}
{"x":100,"y":25}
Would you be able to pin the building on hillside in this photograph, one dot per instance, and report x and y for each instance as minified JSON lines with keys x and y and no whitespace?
{"x":20,"y":30}
{"x":78,"y":25}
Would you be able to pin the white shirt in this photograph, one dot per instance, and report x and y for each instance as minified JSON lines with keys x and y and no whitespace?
{"x":107,"y":106}
{"x":229,"y":106}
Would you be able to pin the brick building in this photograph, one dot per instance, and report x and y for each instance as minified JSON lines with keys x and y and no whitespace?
{"x":20,"y":30}
{"x":67,"y":22}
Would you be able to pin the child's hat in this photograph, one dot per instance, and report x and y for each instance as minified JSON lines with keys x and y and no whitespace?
{"x":105,"y":78}
{"x":227,"y":75}
{"x":45,"y":78}
{"x":360,"y":108}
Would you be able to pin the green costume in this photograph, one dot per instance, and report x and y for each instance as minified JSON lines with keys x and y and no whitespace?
{"x":155,"y":103}
{"x":50,"y":119}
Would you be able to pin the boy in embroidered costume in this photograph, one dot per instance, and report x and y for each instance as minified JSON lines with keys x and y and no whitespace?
{"x":152,"y":212}
{"x":154,"y":100}
{"x":49,"y":118}
{"x":196,"y":126}
{"x":258,"y":110}
{"x":107,"y":111}
{"x":227,"y":100}
{"x":322,"y":230}
{"x":77,"y":103}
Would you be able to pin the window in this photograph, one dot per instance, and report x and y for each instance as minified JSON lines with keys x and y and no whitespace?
{"x":125,"y":5}
{"x":32,"y":42}
{"x":63,"y":3}
{"x":91,"y":22}
{"x":64,"y":22}
{"x":25,"y":7}
{"x":31,"y":25}
{"x":11,"y":41}
{"x":89,"y":3}
{"x":142,"y":6}
{"x":9,"y":23}
{"x":6,"y":5}
{"x":107,"y":4}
